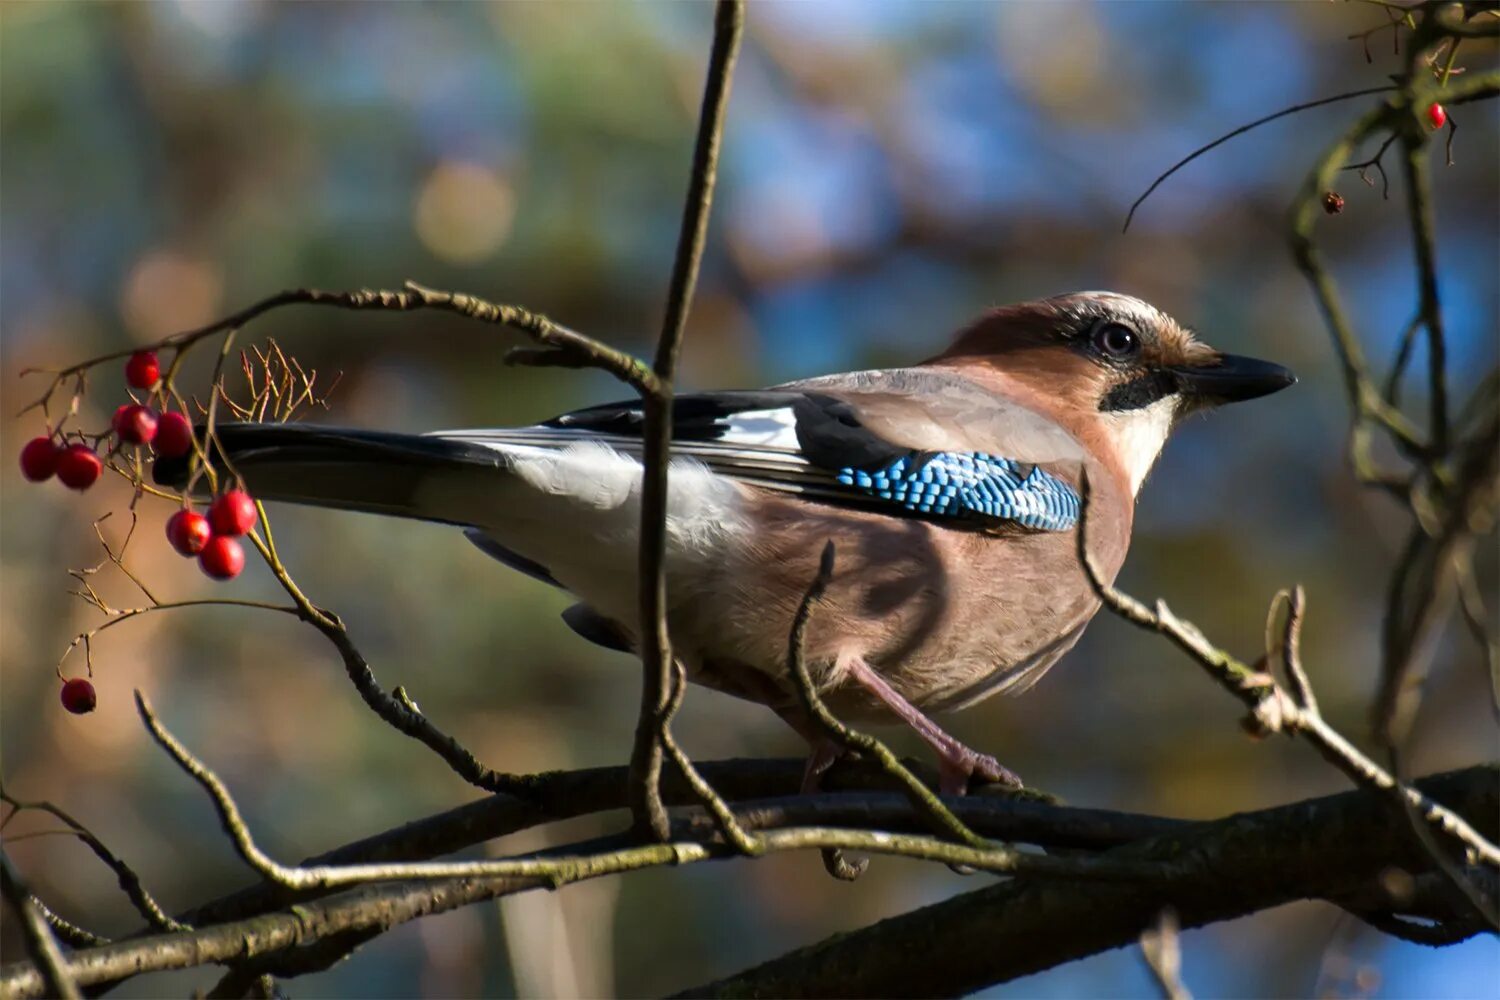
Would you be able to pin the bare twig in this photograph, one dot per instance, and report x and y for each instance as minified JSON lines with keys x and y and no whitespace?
{"x":922,"y":797}
{"x":1429,"y":308}
{"x":560,"y":869}
{"x":656,"y":647}
{"x":585,"y":351}
{"x":1130,"y":216}
{"x":399,"y":713}
{"x":1321,"y":847}
{"x":52,"y":969}
{"x":130,"y":882}
{"x":766,"y":796}
{"x":1422,"y":586}
{"x":1272,"y":709}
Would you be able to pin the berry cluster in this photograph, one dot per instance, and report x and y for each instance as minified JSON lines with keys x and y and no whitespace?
{"x":213,"y":539}
{"x":78,"y":466}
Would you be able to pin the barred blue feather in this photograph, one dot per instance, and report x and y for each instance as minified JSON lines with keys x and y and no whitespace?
{"x":959,"y":484}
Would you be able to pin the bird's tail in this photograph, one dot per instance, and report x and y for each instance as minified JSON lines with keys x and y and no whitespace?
{"x":404,"y":475}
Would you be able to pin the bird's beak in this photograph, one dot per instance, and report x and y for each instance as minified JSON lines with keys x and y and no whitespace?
{"x":1231,"y":379}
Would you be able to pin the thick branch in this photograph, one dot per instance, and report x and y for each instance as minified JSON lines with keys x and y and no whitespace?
{"x":1232,"y":867}
{"x":766,"y":797}
{"x":1328,"y":847}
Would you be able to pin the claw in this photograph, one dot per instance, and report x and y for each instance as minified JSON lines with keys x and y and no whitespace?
{"x":955,"y":771}
{"x":824,"y":754}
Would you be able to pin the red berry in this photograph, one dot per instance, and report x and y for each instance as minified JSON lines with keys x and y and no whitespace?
{"x":78,"y":696}
{"x":222,"y":558}
{"x":39,"y":459}
{"x":174,"y":436}
{"x":78,"y":467}
{"x":232,"y":514}
{"x":135,"y":424}
{"x":142,"y":370}
{"x":188,"y":531}
{"x":1437,"y":115}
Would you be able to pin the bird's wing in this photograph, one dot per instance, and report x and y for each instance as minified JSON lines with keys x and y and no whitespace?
{"x":907,"y":442}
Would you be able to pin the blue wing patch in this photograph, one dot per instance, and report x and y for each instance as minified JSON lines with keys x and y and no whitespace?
{"x":960,"y":484}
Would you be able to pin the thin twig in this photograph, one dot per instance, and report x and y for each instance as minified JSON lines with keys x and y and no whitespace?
{"x":1424,"y":240}
{"x":922,"y":797}
{"x":130,"y":883}
{"x":400,"y":714}
{"x":40,"y":944}
{"x":1129,"y":216}
{"x":586,"y":351}
{"x":563,"y":867}
{"x":655,"y":644}
{"x":766,"y":795}
{"x":1319,"y":847}
{"x":1480,"y":624}
{"x":1271,"y":708}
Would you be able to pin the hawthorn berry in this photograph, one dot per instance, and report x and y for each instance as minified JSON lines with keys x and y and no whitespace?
{"x":39,"y":459}
{"x":142,"y":370}
{"x":78,"y":696}
{"x":222,"y":558}
{"x":135,"y":424}
{"x":1437,"y":115}
{"x":232,"y":514}
{"x":78,"y":467}
{"x":188,"y":531}
{"x":174,"y":435}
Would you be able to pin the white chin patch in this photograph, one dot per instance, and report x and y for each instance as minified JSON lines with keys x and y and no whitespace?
{"x":1139,"y":436}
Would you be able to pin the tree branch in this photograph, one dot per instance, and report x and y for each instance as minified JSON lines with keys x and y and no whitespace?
{"x":1321,"y":848}
{"x":656,"y":646}
{"x":1327,"y":848}
{"x":857,"y":795}
{"x":1272,"y":709}
{"x":49,"y":968}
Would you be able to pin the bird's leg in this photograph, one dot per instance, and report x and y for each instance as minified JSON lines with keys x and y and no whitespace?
{"x":822,"y":752}
{"x":956,"y":762}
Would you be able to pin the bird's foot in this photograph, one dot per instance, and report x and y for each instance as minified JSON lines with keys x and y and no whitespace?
{"x":957,"y":764}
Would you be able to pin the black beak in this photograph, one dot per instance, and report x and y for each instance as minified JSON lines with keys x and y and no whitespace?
{"x":1232,"y":379}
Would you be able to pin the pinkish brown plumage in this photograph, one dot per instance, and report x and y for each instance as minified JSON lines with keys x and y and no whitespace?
{"x":949,"y":490}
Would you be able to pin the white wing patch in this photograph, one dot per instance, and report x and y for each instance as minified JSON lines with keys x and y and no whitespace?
{"x":589,"y":474}
{"x":597,"y":483}
{"x":776,"y":429}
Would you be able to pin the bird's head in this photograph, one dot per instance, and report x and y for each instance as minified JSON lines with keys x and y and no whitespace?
{"x":1111,"y":366}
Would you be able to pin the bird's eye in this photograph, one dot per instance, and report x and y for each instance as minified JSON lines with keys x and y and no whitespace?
{"x":1115,"y":340}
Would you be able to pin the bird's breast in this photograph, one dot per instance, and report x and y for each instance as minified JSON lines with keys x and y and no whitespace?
{"x":948,"y":615}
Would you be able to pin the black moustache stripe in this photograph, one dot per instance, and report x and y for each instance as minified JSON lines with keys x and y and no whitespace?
{"x":1143,"y":390}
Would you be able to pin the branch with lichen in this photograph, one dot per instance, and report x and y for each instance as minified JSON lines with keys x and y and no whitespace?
{"x":1274,"y":708}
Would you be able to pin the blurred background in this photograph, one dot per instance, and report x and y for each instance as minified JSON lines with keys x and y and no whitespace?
{"x":890,"y":169}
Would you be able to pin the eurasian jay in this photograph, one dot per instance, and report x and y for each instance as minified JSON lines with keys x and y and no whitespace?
{"x":950,"y":490}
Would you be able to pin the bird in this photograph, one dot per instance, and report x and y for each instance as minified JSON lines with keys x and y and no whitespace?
{"x":951,"y":490}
